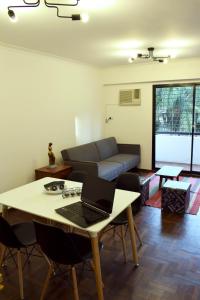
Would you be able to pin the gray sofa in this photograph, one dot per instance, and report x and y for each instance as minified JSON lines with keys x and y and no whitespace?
{"x":104,"y":158}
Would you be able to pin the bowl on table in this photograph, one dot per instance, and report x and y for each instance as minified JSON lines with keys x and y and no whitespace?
{"x":54,"y":187}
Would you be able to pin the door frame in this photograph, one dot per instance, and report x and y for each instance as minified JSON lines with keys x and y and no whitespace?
{"x":194,"y":85}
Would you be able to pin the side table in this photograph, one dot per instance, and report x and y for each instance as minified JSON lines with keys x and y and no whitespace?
{"x":60,"y":171}
{"x":168,"y":172}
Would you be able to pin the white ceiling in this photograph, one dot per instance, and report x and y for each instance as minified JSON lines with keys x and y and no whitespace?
{"x":117,"y":29}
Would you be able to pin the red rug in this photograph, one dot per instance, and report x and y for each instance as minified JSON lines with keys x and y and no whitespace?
{"x":155,"y":194}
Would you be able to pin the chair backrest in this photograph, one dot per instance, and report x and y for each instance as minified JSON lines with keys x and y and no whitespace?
{"x":57,"y":244}
{"x":130,"y":182}
{"x":79,"y":176}
{"x":7,"y":236}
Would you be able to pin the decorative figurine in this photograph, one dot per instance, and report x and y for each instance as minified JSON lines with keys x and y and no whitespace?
{"x":1,"y":281}
{"x":51,"y":157}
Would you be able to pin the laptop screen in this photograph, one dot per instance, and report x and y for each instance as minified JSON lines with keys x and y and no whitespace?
{"x":98,"y":192}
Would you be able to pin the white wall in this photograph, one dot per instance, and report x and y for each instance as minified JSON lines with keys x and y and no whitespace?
{"x":133,"y":124}
{"x":130,"y":124}
{"x":43,"y":99}
{"x":46,"y":99}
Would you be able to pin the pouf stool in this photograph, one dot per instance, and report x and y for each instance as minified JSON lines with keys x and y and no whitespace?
{"x":144,"y":188}
{"x":175,"y":196}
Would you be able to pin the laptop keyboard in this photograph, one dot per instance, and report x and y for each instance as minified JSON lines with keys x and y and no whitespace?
{"x":82,"y":211}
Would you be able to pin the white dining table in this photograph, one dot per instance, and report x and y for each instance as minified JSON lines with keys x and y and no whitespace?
{"x":32,"y":198}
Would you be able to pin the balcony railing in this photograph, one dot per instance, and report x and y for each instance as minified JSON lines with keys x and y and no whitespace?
{"x":175,"y":148}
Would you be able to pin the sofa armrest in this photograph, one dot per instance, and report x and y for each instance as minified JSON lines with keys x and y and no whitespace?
{"x":129,"y":148}
{"x":90,"y":167}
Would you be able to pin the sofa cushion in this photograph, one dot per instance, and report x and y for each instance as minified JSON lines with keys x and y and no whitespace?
{"x":107,"y":147}
{"x":109,"y":170}
{"x":128,"y":161}
{"x":86,"y":152}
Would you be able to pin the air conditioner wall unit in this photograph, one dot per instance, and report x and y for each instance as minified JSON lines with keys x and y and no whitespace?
{"x":130,"y":97}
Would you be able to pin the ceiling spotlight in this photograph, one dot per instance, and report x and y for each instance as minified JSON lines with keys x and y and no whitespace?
{"x":76,"y":17}
{"x":84,"y":18}
{"x":130,"y":60}
{"x":11,"y":12}
{"x":11,"y":15}
{"x":150,"y":56}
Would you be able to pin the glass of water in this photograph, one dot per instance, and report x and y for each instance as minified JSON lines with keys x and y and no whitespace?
{"x":78,"y":191}
{"x":65,"y":193}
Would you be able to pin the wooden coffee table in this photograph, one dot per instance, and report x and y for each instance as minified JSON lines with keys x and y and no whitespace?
{"x":168,"y":172}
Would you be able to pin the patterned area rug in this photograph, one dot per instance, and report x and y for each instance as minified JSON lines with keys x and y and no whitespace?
{"x":155,"y":194}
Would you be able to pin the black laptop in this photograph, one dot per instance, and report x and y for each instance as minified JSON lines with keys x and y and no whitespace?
{"x":96,"y":203}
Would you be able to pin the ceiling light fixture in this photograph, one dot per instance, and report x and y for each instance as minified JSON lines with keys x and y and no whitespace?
{"x":150,"y":56}
{"x":74,"y":17}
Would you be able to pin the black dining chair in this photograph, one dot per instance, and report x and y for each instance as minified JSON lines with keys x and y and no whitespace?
{"x":63,"y":248}
{"x":76,"y":175}
{"x":17,"y":237}
{"x":129,"y":182}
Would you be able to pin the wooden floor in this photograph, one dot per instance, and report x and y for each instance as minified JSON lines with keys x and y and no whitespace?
{"x":169,"y":264}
